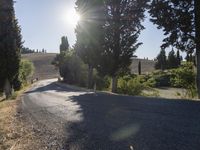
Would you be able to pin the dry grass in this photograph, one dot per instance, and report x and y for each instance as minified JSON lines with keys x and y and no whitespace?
{"x":8,"y":135}
{"x":15,"y":132}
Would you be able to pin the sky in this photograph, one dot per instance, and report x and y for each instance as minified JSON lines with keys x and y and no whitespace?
{"x":44,"y":22}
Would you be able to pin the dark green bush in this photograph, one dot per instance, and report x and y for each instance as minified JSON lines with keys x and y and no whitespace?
{"x":72,"y":69}
{"x":26,"y":70}
{"x":102,"y":83}
{"x":130,"y":86}
{"x":184,"y":77}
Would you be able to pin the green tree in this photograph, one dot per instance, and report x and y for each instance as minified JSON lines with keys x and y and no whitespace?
{"x":139,"y":67}
{"x":10,"y":44}
{"x":59,"y":59}
{"x":178,"y":57}
{"x":90,"y":34}
{"x":26,"y":71}
{"x":64,"y":46}
{"x":73,"y":69}
{"x":123,"y":26}
{"x":172,"y":61}
{"x":180,"y":20}
{"x":161,"y":62}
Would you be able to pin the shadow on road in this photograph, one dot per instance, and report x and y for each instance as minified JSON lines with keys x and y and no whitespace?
{"x":112,"y":122}
{"x":124,"y":122}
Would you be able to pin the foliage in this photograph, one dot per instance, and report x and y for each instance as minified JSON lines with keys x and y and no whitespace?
{"x":161,"y":62}
{"x":130,"y":86}
{"x":90,"y":34}
{"x":176,"y":18}
{"x":184,"y":77}
{"x":27,"y":50}
{"x":122,"y":30}
{"x":102,"y":83}
{"x":180,"y":20}
{"x":26,"y":70}
{"x":172,"y":61}
{"x":74,"y":71}
{"x":64,"y":46}
{"x":10,"y":43}
{"x":139,"y":67}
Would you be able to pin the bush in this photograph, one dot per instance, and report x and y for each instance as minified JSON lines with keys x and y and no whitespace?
{"x":184,"y":77}
{"x":73,"y":70}
{"x":26,"y":70}
{"x":130,"y":86}
{"x":102,"y":83}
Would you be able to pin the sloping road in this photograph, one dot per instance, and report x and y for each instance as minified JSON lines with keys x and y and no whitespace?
{"x":89,"y":121}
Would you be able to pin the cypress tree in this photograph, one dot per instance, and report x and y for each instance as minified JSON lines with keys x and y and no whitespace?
{"x":161,"y":62}
{"x":139,"y":67}
{"x":10,"y":44}
{"x":90,"y":34}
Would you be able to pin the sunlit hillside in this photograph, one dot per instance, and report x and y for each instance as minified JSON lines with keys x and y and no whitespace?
{"x":42,"y":63}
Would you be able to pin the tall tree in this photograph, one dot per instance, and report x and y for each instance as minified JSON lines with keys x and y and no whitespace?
{"x":172,"y":61}
{"x":123,"y":26}
{"x":161,"y":62}
{"x":90,"y":33}
{"x":60,"y":58}
{"x":139,"y":67}
{"x":10,"y":44}
{"x":179,"y":58}
{"x":64,"y":46}
{"x":180,"y":20}
{"x":197,"y":40}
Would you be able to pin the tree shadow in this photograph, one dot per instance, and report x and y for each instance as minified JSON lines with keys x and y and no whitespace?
{"x":124,"y":122}
{"x":49,"y":87}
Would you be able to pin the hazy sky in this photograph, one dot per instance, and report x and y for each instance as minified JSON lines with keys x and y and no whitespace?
{"x":43,"y":22}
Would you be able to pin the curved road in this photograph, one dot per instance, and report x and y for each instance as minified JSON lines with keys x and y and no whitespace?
{"x":89,"y":121}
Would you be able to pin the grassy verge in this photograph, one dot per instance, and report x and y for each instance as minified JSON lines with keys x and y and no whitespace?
{"x":10,"y":127}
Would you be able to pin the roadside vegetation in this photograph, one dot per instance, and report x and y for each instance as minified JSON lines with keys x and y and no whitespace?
{"x":101,"y":59}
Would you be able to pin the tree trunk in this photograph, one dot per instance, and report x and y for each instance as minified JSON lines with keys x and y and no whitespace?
{"x":90,"y":76}
{"x":197,"y":26}
{"x":114,"y":84}
{"x":7,"y":89}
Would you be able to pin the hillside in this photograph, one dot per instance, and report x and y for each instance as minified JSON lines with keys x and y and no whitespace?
{"x":44,"y":69}
{"x":147,"y":66}
{"x":42,"y":63}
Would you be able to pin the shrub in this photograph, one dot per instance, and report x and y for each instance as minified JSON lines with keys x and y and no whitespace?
{"x":102,"y":83}
{"x":26,"y":70}
{"x":130,"y":86}
{"x":184,"y":77}
{"x":73,"y":70}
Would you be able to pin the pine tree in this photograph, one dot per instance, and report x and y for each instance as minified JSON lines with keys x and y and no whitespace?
{"x":10,"y":44}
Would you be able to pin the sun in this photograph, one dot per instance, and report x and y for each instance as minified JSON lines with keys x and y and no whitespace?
{"x":71,"y":17}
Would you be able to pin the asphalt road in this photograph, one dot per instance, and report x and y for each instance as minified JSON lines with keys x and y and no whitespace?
{"x":89,"y":121}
